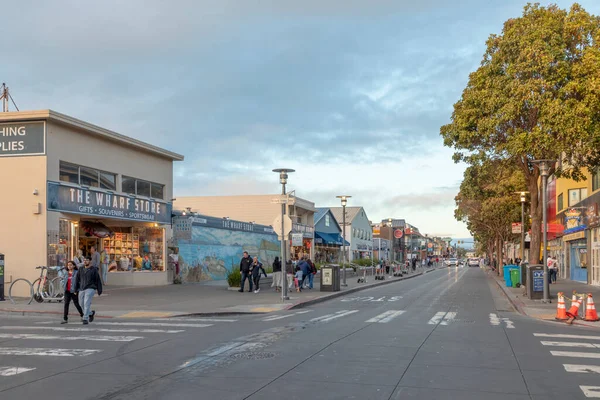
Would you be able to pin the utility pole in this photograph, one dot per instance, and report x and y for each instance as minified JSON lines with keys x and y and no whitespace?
{"x":5,"y":96}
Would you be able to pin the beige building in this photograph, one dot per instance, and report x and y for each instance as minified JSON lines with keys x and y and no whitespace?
{"x":260,"y":209}
{"x":68,"y":185}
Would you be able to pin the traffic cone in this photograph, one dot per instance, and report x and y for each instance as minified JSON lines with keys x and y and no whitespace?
{"x":590,"y":310}
{"x":573,"y":312}
{"x":561,"y":311}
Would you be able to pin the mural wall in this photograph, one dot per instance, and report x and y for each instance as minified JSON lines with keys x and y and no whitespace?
{"x":210,"y":247}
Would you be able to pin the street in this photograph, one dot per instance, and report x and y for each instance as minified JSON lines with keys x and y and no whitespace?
{"x":449,"y":334}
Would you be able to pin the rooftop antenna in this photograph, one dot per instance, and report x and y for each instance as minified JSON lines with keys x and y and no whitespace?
{"x":5,"y":96}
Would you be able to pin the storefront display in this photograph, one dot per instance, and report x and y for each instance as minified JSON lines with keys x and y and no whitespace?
{"x":140,"y":249}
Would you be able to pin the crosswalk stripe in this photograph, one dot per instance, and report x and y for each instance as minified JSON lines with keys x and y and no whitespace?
{"x":448,"y":318}
{"x":195,"y":319}
{"x":494,"y":319}
{"x":386,"y":316}
{"x":591,"y":391}
{"x":571,"y":344}
{"x":64,"y":337}
{"x":65,"y":329}
{"x":509,"y":323}
{"x":10,"y":371}
{"x":152,"y":324}
{"x":277,"y":317}
{"x":330,"y":317}
{"x":24,"y":351}
{"x":575,"y":354}
{"x":566,"y":336}
{"x":583,"y":369}
{"x":436,"y":318}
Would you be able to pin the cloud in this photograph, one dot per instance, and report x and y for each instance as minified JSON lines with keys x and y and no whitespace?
{"x":430,"y":201}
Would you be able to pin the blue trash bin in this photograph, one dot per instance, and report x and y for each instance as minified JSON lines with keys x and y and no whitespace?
{"x":507,"y":280}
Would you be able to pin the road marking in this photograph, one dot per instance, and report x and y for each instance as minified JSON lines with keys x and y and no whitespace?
{"x":152,"y":324}
{"x":583,"y":369}
{"x":574,"y":354}
{"x":448,"y":318}
{"x":509,"y":323}
{"x":571,"y":344}
{"x":276,"y":317}
{"x":386,"y":316}
{"x":65,"y":329}
{"x":330,"y":317}
{"x":24,"y":351}
{"x":195,"y":319}
{"x":494,"y":319}
{"x":437,"y":318}
{"x":565,"y":336}
{"x":10,"y":371}
{"x":63,"y":337}
{"x":591,"y":391}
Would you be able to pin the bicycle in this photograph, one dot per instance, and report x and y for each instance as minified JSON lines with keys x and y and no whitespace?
{"x":41,"y":289}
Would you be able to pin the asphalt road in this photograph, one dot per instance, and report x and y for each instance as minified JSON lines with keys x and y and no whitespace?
{"x":448,"y":334}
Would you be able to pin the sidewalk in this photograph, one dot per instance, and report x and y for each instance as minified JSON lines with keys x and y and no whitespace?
{"x":207,"y":298}
{"x":547,"y":312}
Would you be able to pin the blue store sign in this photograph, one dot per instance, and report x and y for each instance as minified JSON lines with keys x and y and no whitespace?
{"x":538,"y":281}
{"x":88,"y":201}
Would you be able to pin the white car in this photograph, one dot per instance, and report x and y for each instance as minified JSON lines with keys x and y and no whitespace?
{"x":452,"y":262}
{"x":473,"y":262}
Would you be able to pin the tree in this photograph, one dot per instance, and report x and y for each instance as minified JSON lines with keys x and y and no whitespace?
{"x":535,"y":96}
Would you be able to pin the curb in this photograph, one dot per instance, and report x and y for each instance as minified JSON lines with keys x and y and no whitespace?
{"x":519,"y":306}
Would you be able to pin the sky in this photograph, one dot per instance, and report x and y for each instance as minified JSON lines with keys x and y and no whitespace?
{"x":351,"y":94}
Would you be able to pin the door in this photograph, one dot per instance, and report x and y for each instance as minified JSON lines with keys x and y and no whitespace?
{"x":578,"y":262}
{"x":595,"y":257}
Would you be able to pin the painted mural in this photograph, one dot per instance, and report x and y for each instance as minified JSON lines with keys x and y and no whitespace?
{"x":209,"y":253}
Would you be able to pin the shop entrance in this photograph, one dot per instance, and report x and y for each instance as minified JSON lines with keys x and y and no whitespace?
{"x":85,"y":245}
{"x":579,"y":262}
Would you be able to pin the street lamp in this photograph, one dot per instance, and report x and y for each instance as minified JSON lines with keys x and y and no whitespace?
{"x":523,"y":199}
{"x":344,"y":199}
{"x":544,"y":166}
{"x":391,"y":240}
{"x":283,"y":176}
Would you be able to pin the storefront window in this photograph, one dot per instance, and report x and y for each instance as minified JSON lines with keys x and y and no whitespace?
{"x":88,"y":177}
{"x":151,"y":249}
{"x":69,"y":173}
{"x":128,"y":184}
{"x":157,"y":191}
{"x":108,"y":181}
{"x":143,"y":188}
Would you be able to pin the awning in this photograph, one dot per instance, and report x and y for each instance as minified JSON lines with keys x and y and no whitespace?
{"x":331,"y":239}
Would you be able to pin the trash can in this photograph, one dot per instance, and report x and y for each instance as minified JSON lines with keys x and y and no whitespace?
{"x":507,"y":275}
{"x":515,"y":278}
{"x":330,"y":278}
{"x":535,"y":281}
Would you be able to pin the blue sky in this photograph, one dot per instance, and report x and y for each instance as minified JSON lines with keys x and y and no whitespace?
{"x":351,"y":94}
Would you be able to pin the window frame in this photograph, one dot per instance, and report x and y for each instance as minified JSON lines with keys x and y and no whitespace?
{"x":98,"y":173}
{"x":135,"y":185}
{"x":560,"y":202}
{"x":579,"y":192}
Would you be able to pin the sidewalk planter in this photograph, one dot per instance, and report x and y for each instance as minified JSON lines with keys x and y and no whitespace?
{"x":234,"y":279}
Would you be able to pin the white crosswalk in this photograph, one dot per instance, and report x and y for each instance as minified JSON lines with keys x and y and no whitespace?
{"x":10,"y":371}
{"x":495,"y":320}
{"x":330,"y":317}
{"x":442,"y":318}
{"x":278,"y":317}
{"x":582,"y":342}
{"x":385,"y":317}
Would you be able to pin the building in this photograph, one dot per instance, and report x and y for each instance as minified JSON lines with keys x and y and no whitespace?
{"x":209,"y":248}
{"x":69,"y":185}
{"x":358,"y":232}
{"x":328,"y":237}
{"x":263,"y":210}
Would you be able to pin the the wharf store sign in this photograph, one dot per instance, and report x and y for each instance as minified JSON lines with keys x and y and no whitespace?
{"x":22,"y":139}
{"x":87,"y":201}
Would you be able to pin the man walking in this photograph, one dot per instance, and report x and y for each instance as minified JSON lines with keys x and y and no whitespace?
{"x":305,"y":268}
{"x":245,"y":268}
{"x":88,"y":281}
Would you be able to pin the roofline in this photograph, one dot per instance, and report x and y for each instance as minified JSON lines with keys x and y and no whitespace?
{"x":89,"y":128}
{"x":328,"y":212}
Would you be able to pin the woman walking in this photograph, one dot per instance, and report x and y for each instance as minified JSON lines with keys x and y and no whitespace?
{"x":277,"y":276}
{"x":257,"y":269}
{"x":70,"y":294}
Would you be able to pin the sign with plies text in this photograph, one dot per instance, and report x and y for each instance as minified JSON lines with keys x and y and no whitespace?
{"x":22,"y":139}
{"x":88,"y":201}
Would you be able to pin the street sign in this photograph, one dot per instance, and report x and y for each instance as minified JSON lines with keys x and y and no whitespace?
{"x":279,"y":201}
{"x":516,"y":227}
{"x":297,"y":239}
{"x":398,"y":233}
{"x":287,"y":225}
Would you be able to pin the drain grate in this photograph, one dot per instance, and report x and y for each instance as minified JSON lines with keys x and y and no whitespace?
{"x":252,"y":355}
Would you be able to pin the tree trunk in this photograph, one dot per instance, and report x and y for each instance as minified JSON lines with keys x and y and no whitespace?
{"x":499,"y":255}
{"x":536,"y":208}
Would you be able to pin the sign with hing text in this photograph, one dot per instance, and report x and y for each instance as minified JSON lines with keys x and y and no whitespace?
{"x":22,"y":139}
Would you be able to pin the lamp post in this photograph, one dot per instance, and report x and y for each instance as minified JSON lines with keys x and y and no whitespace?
{"x":344,"y":199}
{"x":283,"y":176}
{"x":544,"y":166}
{"x":523,"y":199}
{"x":391,"y":240}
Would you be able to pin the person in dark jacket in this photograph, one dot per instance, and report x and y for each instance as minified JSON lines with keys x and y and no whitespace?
{"x":70,"y":294}
{"x":277,"y":275}
{"x":312,"y":273}
{"x":257,"y":270}
{"x":88,"y":281}
{"x":245,"y":268}
{"x":305,"y":268}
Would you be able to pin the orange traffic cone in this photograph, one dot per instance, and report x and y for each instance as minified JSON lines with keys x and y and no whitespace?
{"x":561,"y":310}
{"x":590,"y":310}
{"x":573,"y":312}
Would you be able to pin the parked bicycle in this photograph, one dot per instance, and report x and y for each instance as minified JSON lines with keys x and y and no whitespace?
{"x":42,"y":289}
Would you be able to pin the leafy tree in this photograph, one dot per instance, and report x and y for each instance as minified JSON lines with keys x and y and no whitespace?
{"x":535,"y":96}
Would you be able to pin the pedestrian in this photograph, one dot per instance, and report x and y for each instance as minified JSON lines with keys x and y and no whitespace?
{"x":312,"y":273}
{"x":552,"y":269}
{"x":104,"y":260}
{"x":79,"y":260}
{"x":289,"y":273}
{"x":257,"y":270}
{"x":88,"y":281}
{"x":298,"y":279}
{"x":387,"y":268}
{"x":305,"y":268}
{"x":95,"y":260}
{"x":277,"y":275}
{"x":414,"y":264}
{"x":70,"y":294}
{"x":245,"y":268}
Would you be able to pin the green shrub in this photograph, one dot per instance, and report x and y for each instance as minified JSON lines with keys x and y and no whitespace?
{"x":364,"y":262}
{"x":234,"y":278}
